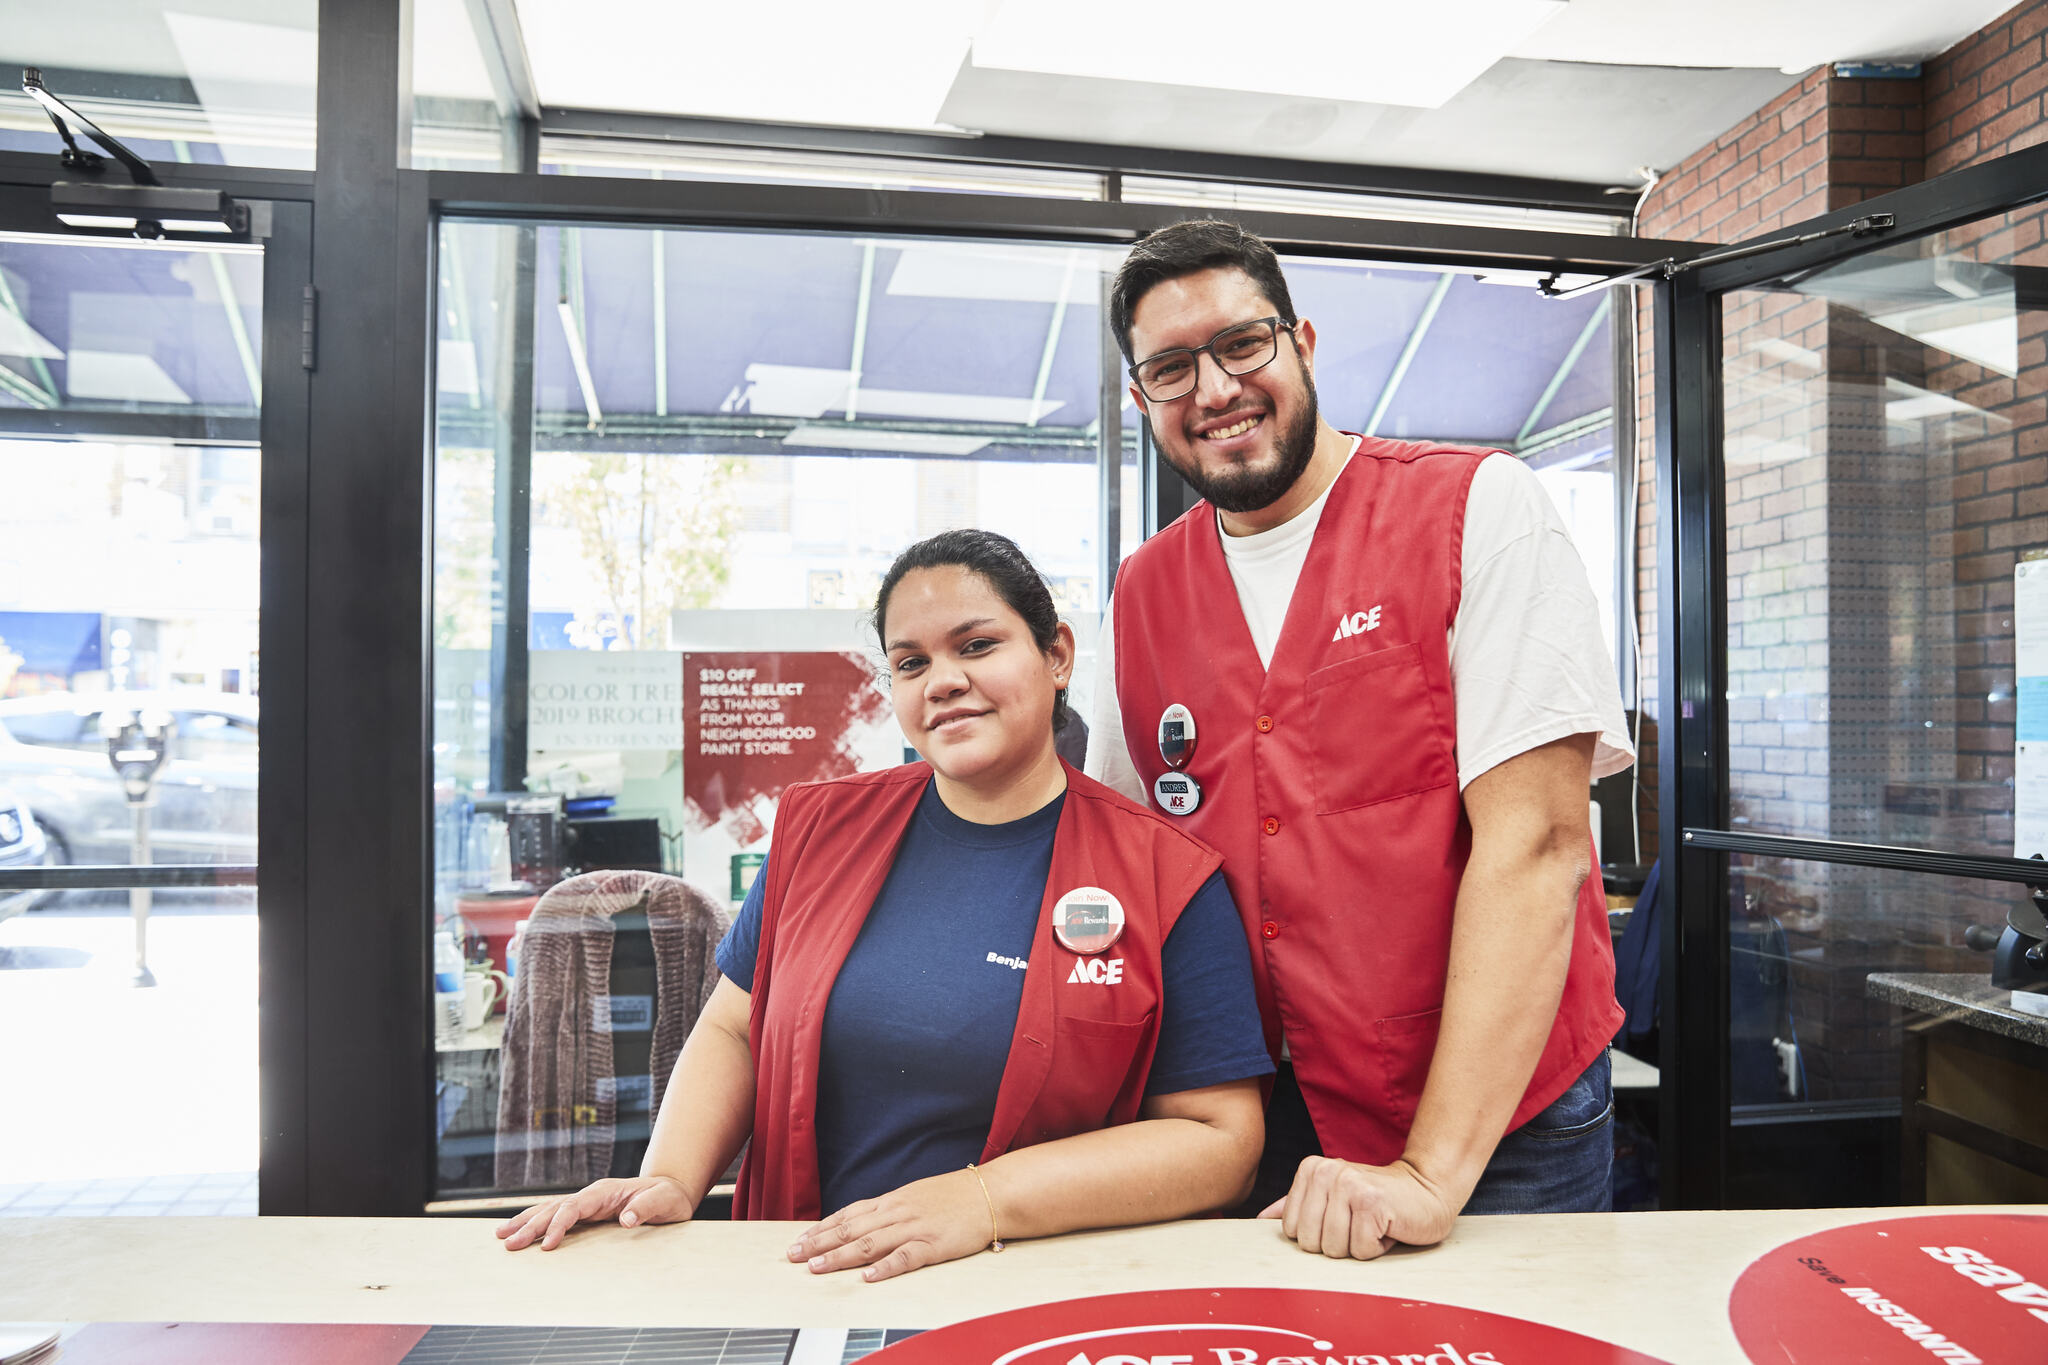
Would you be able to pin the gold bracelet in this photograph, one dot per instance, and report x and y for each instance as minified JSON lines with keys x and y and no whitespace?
{"x":995,"y":1238}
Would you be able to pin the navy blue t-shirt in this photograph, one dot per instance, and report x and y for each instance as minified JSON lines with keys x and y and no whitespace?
{"x":919,"y":1023}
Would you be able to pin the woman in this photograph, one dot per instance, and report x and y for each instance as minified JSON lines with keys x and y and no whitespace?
{"x":970,"y":999}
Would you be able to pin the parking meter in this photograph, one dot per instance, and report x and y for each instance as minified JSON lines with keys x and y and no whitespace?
{"x":138,"y":745}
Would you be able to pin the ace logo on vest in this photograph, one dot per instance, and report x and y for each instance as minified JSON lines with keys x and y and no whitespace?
{"x":1357,"y":623}
{"x":1095,"y":971}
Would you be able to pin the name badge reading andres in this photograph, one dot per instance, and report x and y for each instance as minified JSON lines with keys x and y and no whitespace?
{"x":1087,"y":920}
{"x":1176,"y":736}
{"x":1176,"y":793}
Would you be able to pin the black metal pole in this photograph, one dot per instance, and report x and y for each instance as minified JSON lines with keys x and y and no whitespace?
{"x":512,"y":499}
{"x":282,"y":829}
{"x":367,"y":1120}
{"x":1110,"y":422}
{"x":1691,"y":748}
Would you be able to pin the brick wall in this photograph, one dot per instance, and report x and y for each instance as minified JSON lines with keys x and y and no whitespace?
{"x":1869,"y":553}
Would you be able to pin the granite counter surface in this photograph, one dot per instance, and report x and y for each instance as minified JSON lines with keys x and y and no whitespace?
{"x":1964,"y":997}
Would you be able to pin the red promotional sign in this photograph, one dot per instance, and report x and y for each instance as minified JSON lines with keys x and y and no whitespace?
{"x":756,"y":721}
{"x":1963,"y":1288}
{"x":1251,"y":1327}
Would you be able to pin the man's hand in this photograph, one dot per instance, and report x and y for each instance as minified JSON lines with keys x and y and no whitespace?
{"x":940,"y":1218}
{"x":1341,"y":1208}
{"x":644,"y":1199}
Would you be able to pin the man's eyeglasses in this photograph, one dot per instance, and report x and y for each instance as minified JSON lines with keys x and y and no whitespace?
{"x":1237,"y":350}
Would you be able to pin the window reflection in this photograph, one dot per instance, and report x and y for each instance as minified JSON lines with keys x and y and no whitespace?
{"x":212,"y":88}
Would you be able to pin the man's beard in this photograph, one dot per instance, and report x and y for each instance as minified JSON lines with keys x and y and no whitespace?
{"x":1243,"y":488}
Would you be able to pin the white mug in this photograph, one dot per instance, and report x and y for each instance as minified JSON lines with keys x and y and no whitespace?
{"x":481,"y":991}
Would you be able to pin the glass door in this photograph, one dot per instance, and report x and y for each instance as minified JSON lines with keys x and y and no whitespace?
{"x":1881,"y":498}
{"x":131,"y":549}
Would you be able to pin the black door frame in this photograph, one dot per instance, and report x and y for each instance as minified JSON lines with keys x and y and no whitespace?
{"x":1693,"y":835}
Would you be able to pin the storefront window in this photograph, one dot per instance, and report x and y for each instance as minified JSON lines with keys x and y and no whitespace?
{"x":719,"y":442}
{"x":1482,"y":360}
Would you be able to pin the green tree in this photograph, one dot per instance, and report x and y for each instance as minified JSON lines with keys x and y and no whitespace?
{"x":656,"y":531}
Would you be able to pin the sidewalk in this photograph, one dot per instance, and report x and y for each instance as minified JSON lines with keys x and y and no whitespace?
{"x":129,"y":1101}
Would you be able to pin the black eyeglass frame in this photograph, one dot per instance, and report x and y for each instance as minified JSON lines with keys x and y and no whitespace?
{"x":1195,"y":353}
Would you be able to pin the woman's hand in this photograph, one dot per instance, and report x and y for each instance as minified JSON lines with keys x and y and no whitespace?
{"x":940,"y":1218}
{"x":644,"y":1199}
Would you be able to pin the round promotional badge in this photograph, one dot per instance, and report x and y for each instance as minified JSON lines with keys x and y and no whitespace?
{"x":1087,"y":920}
{"x":1956,"y":1287}
{"x":1176,"y":736}
{"x":1176,"y":793}
{"x":1253,"y":1326}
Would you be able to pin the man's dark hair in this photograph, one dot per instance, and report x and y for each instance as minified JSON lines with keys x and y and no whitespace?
{"x":1005,"y":567}
{"x":1184,"y":248}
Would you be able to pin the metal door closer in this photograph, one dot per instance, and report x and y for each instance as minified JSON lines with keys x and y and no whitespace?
{"x":138,"y":745}
{"x":2019,"y":954}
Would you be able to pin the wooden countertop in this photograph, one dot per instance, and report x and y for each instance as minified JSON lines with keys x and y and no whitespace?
{"x":1655,"y":1282}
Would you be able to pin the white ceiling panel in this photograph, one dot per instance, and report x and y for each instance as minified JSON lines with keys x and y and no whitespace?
{"x":1563,"y":120}
{"x":884,"y":63}
{"x":1590,"y":93}
{"x":1767,"y":33}
{"x":1446,"y":44}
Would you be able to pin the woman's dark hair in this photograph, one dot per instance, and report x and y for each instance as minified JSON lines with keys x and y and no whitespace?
{"x":1184,"y":248}
{"x":998,"y":560}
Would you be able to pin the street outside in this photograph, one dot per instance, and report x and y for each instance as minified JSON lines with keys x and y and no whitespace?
{"x":120,"y":1093}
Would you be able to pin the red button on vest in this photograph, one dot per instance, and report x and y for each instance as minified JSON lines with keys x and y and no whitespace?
{"x":1265,"y":725}
{"x":1270,"y":929}
{"x":1272,"y":826}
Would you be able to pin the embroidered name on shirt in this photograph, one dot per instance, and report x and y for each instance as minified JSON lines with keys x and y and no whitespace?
{"x":1019,"y":963}
{"x":1093,"y":971}
{"x":1358,"y":623}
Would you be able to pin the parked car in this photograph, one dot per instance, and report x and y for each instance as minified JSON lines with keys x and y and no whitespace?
{"x":53,"y":754}
{"x":21,"y":845}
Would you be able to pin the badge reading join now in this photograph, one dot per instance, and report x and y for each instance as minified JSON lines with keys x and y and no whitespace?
{"x":1176,"y":793}
{"x":1176,"y":736}
{"x":1088,"y":920}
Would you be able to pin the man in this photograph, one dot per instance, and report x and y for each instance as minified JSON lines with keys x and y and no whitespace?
{"x":1371,"y":674}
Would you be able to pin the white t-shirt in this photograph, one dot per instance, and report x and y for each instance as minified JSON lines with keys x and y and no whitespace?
{"x":1528,"y":661}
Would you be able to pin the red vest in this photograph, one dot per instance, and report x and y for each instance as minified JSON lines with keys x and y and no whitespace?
{"x":1082,"y":1048}
{"x":1330,"y":785}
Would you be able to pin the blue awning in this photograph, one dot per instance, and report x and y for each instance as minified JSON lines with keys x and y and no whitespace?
{"x":56,"y":643}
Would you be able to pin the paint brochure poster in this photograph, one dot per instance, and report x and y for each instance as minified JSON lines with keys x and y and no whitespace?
{"x":755,"y":721}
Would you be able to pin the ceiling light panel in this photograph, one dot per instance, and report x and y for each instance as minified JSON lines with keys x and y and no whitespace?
{"x":948,"y":270}
{"x":851,"y":437}
{"x":887,"y":63}
{"x":805,"y":391}
{"x":1378,"y":51}
{"x":18,"y":338}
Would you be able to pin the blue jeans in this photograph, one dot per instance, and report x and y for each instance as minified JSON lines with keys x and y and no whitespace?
{"x":1558,"y":1162}
{"x":1562,"y":1160}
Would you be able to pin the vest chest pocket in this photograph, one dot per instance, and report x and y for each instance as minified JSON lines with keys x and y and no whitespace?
{"x":1380,"y":728}
{"x":1096,"y":1060}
